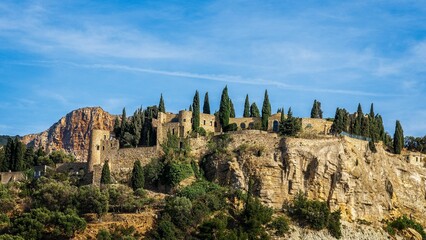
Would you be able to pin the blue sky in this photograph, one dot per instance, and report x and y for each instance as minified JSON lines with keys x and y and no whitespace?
{"x":56,"y":56}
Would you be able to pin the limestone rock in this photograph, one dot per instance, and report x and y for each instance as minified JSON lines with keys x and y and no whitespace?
{"x":72,"y":132}
{"x":339,"y":170}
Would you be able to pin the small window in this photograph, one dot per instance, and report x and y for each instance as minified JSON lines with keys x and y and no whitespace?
{"x":173,"y":131}
{"x":97,"y":147}
{"x":204,"y":122}
{"x":243,"y":126}
{"x":103,"y":148}
{"x":184,"y":120}
{"x":215,"y":124}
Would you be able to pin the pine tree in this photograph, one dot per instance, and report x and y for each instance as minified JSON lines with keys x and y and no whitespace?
{"x":291,"y":125}
{"x":161,"y":106}
{"x":380,"y":128}
{"x":398,"y":138}
{"x":224,"y":108}
{"x":365,"y":130}
{"x":106,"y":174}
{"x":316,"y":111}
{"x":282,"y":115}
{"x":29,"y":157}
{"x":196,"y":112}
{"x":266,"y":111}
{"x":138,"y":179}
{"x":341,"y":121}
{"x":231,"y":109}
{"x":246,"y":107}
{"x":254,"y":110}
{"x":206,"y":105}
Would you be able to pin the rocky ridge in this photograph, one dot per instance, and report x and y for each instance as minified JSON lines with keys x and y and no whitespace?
{"x":365,"y":186}
{"x":72,"y":132}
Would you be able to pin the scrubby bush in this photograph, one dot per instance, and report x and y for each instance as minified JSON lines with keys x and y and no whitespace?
{"x":91,"y":200}
{"x":314,"y":214}
{"x":404,"y":222}
{"x":280,"y":225}
{"x":53,"y":195}
{"x":7,"y":202}
{"x":174,"y":173}
{"x":230,"y":127}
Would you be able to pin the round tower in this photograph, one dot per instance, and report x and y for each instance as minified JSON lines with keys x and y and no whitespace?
{"x":95,"y":147}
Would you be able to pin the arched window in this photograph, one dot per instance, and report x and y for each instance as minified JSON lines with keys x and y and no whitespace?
{"x":275,"y":126}
{"x":243,"y":126}
{"x":251,"y":125}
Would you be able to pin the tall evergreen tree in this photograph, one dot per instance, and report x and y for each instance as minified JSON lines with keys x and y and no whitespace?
{"x":2,"y":161}
{"x":190,"y":108}
{"x":357,"y":127}
{"x":231,"y":109}
{"x":380,"y":128}
{"x":246,"y":107}
{"x":316,"y":111}
{"x":254,"y":110}
{"x":340,"y":122}
{"x":117,"y":128}
{"x":18,"y":163}
{"x":282,"y":119}
{"x":9,"y":154}
{"x":365,"y":130}
{"x":224,"y":108}
{"x":196,"y":112}
{"x":161,"y":106}
{"x":29,"y":157}
{"x":266,"y":111}
{"x":138,"y":179}
{"x":398,"y":138}
{"x":374,"y":128}
{"x":206,"y":105}
{"x":123,"y":126}
{"x":106,"y":174}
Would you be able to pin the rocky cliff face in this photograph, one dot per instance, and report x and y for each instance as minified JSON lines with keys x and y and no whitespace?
{"x":72,"y":132}
{"x":342,"y":171}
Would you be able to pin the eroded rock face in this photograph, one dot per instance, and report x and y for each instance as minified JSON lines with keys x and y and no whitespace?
{"x":72,"y":132}
{"x":341,"y":171}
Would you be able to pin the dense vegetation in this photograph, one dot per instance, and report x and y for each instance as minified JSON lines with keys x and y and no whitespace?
{"x":402,"y":223}
{"x":15,"y":156}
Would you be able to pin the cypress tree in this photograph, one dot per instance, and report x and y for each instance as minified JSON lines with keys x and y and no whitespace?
{"x":357,"y":127}
{"x":2,"y":161}
{"x":380,"y":128}
{"x":206,"y":105}
{"x":398,"y":138}
{"x":231,"y":109}
{"x":365,"y":123}
{"x":29,"y":157}
{"x":190,"y":108}
{"x":117,"y":128}
{"x":266,"y":111}
{"x":254,"y":110}
{"x":282,"y":115}
{"x":316,"y":111}
{"x":246,"y":107}
{"x":224,"y":108}
{"x":138,"y":179}
{"x":106,"y":174}
{"x":340,"y":122}
{"x":161,"y":106}
{"x":374,"y":128}
{"x":19,"y":155}
{"x":9,"y":154}
{"x":123,"y":126}
{"x":196,"y":112}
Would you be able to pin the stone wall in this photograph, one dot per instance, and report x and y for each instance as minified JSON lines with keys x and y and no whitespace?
{"x":7,"y":177}
{"x":121,"y":160}
{"x":316,"y":125}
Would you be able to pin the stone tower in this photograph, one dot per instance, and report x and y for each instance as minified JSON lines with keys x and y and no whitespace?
{"x":95,"y":147}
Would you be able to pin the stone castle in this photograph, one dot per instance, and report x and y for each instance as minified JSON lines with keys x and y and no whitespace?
{"x":104,"y":147}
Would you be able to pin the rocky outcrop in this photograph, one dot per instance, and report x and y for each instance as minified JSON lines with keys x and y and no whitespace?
{"x":72,"y":132}
{"x":339,"y":170}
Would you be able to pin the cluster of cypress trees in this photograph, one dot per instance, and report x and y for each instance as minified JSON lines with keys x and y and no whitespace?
{"x":370,"y":125}
{"x":289,"y":126}
{"x":250,"y":110}
{"x":137,"y":130}
{"x":14,"y":157}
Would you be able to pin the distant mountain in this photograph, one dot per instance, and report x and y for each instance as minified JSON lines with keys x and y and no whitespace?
{"x":72,"y":132}
{"x":3,"y":139}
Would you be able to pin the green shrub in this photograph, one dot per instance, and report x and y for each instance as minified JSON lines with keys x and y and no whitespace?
{"x":91,"y":200}
{"x":153,"y":172}
{"x":404,"y":222}
{"x":202,"y":131}
{"x":174,"y":173}
{"x":10,"y":237}
{"x":280,"y":225}
{"x":314,"y":214}
{"x":198,"y":189}
{"x":103,"y":234}
{"x":230,"y":127}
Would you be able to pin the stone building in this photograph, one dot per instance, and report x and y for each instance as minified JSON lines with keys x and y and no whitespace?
{"x":416,"y":158}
